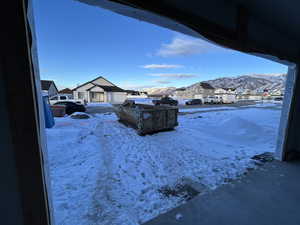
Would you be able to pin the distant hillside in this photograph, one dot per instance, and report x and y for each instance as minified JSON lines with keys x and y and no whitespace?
{"x":160,"y":91}
{"x":255,"y":83}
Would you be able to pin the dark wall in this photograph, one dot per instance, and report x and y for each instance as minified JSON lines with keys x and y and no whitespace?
{"x":10,"y":204}
{"x":22,"y":189}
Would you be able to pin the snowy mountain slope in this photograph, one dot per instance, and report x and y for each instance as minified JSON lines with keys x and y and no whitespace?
{"x":160,"y":91}
{"x":256,"y":83}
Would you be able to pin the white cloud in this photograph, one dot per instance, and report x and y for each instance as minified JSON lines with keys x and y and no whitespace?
{"x":183,"y":46}
{"x":162,"y":81}
{"x":161,"y":66}
{"x":173,"y":75}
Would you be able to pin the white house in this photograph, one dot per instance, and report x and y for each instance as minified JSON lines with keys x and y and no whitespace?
{"x":49,"y":88}
{"x":99,"y":90}
{"x":277,"y":92}
{"x":228,"y":94}
{"x":198,"y":90}
{"x":225,"y":91}
{"x":220,"y":91}
{"x":66,"y":91}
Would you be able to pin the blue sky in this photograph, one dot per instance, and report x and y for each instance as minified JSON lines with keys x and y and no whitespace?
{"x":78,"y":42}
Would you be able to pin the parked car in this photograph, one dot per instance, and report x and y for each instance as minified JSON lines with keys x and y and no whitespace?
{"x":213,"y":100}
{"x":278,"y":99}
{"x":72,"y":107}
{"x":194,"y":102}
{"x":69,"y":98}
{"x":165,"y":101}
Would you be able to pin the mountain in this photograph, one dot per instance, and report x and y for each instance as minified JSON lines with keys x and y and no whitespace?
{"x":256,"y":83}
{"x":160,"y":91}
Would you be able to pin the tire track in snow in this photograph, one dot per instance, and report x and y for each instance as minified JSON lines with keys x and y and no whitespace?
{"x":137,"y":174}
{"x":104,"y":210}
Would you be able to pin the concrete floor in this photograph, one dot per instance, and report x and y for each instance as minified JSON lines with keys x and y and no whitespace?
{"x":269,"y":195}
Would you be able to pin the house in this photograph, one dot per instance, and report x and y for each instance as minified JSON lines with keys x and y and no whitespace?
{"x":228,"y":95}
{"x":179,"y":93}
{"x":49,"y":87}
{"x":231,"y":91}
{"x":132,"y":92}
{"x":219,"y":91}
{"x":202,"y":90}
{"x":205,"y":89}
{"x":277,"y":92}
{"x":136,"y":94}
{"x":99,"y":90}
{"x":198,"y":90}
{"x":266,"y":93}
{"x":66,"y":91}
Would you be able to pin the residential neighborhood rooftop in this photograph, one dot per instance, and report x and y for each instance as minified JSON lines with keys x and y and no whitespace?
{"x":66,"y":91}
{"x":46,"y":84}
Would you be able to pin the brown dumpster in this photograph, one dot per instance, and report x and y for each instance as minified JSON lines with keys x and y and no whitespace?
{"x":58,"y":110}
{"x":147,"y":119}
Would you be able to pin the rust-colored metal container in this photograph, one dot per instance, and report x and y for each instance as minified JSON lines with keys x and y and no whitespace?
{"x":147,"y":119}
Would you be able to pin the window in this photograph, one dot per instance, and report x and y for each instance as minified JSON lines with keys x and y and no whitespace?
{"x":81,"y":95}
{"x":54,"y":98}
{"x":63,"y":98}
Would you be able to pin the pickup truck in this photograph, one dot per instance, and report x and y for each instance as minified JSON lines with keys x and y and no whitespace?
{"x":213,"y":100}
{"x":63,"y":98}
{"x":165,"y":101}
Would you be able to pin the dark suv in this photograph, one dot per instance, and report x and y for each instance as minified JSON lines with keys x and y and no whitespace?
{"x":194,"y":102}
{"x":165,"y":101}
{"x":72,"y":107}
{"x":278,"y":99}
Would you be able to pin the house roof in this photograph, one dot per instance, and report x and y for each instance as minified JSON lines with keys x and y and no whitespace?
{"x":180,"y":89}
{"x":229,"y":89}
{"x":66,"y":91}
{"x":107,"y":88}
{"x":131,"y":91}
{"x":92,"y":82}
{"x":206,"y":85}
{"x":46,"y":84}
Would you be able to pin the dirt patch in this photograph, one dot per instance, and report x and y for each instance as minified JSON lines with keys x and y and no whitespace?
{"x":181,"y":190}
{"x":263,"y":158}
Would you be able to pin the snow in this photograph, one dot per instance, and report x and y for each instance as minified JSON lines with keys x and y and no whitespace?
{"x":178,"y":216}
{"x":92,"y":104}
{"x":147,"y":101}
{"x":266,"y":103}
{"x":79,"y":113}
{"x":206,"y":109}
{"x":72,"y":147}
{"x":102,"y":172}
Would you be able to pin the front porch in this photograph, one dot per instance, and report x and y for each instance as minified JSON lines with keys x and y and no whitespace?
{"x":96,"y":96}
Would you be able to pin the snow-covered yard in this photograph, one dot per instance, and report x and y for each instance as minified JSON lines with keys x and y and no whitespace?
{"x":99,"y":104}
{"x":102,"y":172}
